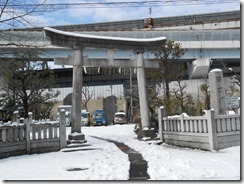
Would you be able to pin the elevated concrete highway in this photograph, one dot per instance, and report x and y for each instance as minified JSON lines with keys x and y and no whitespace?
{"x":214,"y":36}
{"x":194,"y":21}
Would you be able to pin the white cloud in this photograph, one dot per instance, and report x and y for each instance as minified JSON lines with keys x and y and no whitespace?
{"x":109,"y":14}
{"x":92,"y":15}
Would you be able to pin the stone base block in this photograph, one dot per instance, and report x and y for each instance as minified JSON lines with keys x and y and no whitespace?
{"x":146,"y":134}
{"x":76,"y":136}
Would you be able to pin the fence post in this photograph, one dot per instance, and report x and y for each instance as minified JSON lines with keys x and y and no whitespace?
{"x":212,"y":132}
{"x":182,"y":123}
{"x":28,"y":130}
{"x":4,"y":135}
{"x":16,"y":116}
{"x":160,"y":122}
{"x":62,"y":129}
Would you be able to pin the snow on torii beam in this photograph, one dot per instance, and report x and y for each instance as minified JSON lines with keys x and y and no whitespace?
{"x":78,"y":42}
{"x":70,"y":39}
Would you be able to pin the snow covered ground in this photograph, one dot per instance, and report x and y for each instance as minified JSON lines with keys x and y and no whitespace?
{"x":102,"y":160}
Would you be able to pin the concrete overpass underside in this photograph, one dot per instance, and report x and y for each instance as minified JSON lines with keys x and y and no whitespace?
{"x":95,"y":76}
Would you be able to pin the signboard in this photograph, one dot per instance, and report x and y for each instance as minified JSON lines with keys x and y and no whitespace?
{"x":232,"y":102}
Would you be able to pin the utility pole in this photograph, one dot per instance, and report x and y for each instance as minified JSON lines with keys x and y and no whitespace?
{"x":131,"y":99}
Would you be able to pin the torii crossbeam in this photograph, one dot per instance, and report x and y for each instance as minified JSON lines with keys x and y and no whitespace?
{"x":78,"y":42}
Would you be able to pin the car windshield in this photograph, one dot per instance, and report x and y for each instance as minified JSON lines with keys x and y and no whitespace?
{"x":120,"y":115}
{"x":98,"y":116}
{"x":84,"y":115}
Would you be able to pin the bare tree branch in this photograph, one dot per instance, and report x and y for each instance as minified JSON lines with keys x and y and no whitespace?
{"x":87,"y":96}
{"x":20,"y":12}
{"x":4,"y":6}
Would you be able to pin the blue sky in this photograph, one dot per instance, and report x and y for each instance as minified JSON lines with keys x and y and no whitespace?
{"x":93,"y":15}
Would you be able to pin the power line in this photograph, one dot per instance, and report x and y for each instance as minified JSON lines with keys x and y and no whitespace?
{"x":58,"y":6}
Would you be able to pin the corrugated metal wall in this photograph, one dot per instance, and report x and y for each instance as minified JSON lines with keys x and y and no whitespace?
{"x":193,"y":87}
{"x":97,"y":91}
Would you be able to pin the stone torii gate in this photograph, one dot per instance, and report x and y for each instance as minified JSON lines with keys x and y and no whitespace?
{"x":78,"y":42}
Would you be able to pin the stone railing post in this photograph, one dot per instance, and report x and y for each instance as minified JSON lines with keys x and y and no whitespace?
{"x":212,"y":132}
{"x":4,"y":135}
{"x":182,"y":126}
{"x":160,"y":122}
{"x":28,"y":130}
{"x":62,"y":129}
{"x":16,"y":116}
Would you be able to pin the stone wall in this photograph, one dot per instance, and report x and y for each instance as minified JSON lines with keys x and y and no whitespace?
{"x":29,"y":137}
{"x":208,"y":132}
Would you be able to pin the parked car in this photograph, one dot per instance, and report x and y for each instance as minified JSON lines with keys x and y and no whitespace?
{"x":99,"y":118}
{"x":120,"y":118}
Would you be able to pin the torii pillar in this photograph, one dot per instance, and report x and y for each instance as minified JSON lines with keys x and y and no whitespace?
{"x":76,"y":95}
{"x":141,"y":80}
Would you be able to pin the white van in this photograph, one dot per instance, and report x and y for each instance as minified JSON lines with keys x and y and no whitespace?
{"x":85,"y":118}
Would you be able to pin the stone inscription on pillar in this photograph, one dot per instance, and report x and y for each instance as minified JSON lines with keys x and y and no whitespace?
{"x":217,"y":91}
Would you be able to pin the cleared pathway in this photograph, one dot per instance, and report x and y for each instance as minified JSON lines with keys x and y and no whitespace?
{"x":138,"y":166}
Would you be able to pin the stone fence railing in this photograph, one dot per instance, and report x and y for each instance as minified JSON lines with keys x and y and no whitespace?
{"x":29,"y":137}
{"x":208,"y":132}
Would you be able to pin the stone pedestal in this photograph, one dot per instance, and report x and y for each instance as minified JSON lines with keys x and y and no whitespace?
{"x":150,"y":134}
{"x":76,"y":138}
